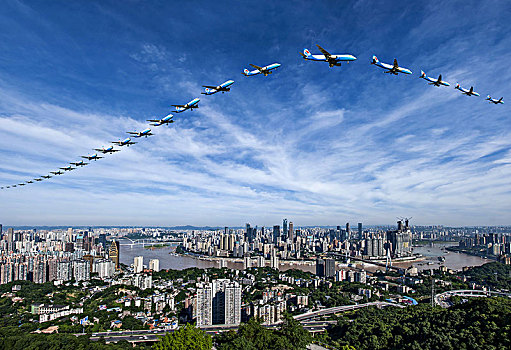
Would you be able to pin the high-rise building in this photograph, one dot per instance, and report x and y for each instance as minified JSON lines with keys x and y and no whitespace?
{"x":204,"y":304}
{"x":223,"y":298}
{"x":138,"y":264}
{"x":291,"y":232}
{"x":348,"y":232}
{"x":325,"y":267}
{"x":114,"y":253}
{"x":360,"y":230}
{"x":154,"y":264}
{"x":81,"y":270}
{"x":400,"y":240}
{"x":276,"y":233}
{"x":284,"y":228}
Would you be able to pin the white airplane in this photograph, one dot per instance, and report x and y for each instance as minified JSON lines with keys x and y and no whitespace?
{"x":143,"y":133}
{"x":165,"y":120}
{"x":264,"y":70}
{"x":92,"y":157}
{"x":469,"y":92}
{"x":333,"y":60}
{"x":190,"y":105}
{"x":494,"y":100}
{"x":210,"y":90}
{"x":80,"y":163}
{"x":46,"y":176}
{"x":104,"y":150}
{"x":68,"y":168}
{"x":125,"y":142}
{"x":392,"y":69}
{"x":436,"y":82}
{"x":57,"y":172}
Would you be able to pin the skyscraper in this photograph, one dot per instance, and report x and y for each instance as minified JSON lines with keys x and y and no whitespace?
{"x":154,"y":264}
{"x":218,"y":302}
{"x":114,"y":253}
{"x":138,"y":264}
{"x":284,"y":228}
{"x":276,"y":233}
{"x":291,"y":232}
{"x":359,"y":230}
{"x":325,"y":267}
{"x":348,"y":232}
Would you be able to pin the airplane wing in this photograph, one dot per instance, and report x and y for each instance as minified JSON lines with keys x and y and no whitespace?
{"x":153,"y":120}
{"x":260,"y":69}
{"x":471,"y":89}
{"x":324,"y":52}
{"x":182,"y":106}
{"x":396,"y":66}
{"x":132,"y":133}
{"x":209,"y":86}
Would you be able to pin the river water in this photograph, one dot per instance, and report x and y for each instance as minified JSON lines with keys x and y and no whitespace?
{"x":454,"y":261}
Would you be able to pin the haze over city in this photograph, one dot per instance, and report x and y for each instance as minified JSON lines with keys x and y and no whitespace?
{"x":316,"y":144}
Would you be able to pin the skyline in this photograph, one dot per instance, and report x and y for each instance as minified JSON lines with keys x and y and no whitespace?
{"x":318,"y":144}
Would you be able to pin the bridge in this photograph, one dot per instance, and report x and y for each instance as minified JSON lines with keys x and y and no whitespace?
{"x":441,"y":299}
{"x":147,"y":242}
{"x":377,"y":263}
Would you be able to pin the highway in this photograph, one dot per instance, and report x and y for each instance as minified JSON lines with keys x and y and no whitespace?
{"x":442,"y":299}
{"x":307,"y":321}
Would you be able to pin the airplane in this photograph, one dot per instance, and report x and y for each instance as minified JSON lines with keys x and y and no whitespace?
{"x":436,"y":82}
{"x":264,"y":70}
{"x":190,"y":105}
{"x":469,"y":92}
{"x":80,"y":163}
{"x":125,"y":142}
{"x":333,"y":60}
{"x":92,"y":157}
{"x":68,"y":168}
{"x":494,"y":100}
{"x":38,"y":179}
{"x":30,"y":182}
{"x":392,"y":69}
{"x":109,"y":149}
{"x":143,"y":133}
{"x":210,"y":90}
{"x":46,"y":176}
{"x":21,"y":184}
{"x":57,"y":172}
{"x":165,"y":120}
{"x":13,"y":186}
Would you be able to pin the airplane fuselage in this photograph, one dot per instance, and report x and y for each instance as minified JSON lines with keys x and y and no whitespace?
{"x":393,"y":70}
{"x":222,"y":87}
{"x":190,"y":105}
{"x":264,"y":70}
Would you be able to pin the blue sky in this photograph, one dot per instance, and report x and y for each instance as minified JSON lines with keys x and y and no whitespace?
{"x":313,"y":144}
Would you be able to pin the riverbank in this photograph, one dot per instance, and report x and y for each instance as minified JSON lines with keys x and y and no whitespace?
{"x":473,"y":253}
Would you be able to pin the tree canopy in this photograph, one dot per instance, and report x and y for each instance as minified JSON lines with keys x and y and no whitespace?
{"x":187,"y":337}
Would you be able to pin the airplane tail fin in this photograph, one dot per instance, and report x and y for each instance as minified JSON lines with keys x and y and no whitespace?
{"x":375,"y":60}
{"x":457,"y":86}
{"x":306,"y":53}
{"x":246,"y":71}
{"x":423,"y":75}
{"x":488,"y":97}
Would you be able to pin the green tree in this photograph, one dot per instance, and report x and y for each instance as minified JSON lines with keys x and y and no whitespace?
{"x":187,"y":337}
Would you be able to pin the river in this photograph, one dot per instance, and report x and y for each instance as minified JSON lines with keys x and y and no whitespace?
{"x":454,"y":261}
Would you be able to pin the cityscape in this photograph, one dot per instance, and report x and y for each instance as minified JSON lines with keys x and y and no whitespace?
{"x":127,"y":286}
{"x":255,"y":175}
